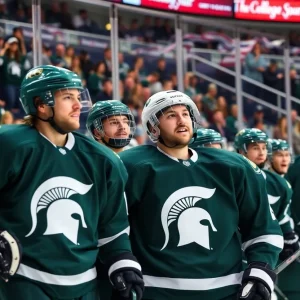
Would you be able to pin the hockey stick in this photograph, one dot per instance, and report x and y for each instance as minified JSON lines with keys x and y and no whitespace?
{"x":287,"y":262}
{"x":133,"y":295}
{"x":280,"y":293}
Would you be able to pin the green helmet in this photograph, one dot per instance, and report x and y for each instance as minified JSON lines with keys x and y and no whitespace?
{"x":205,"y":137}
{"x":105,"y":109}
{"x":42,"y":82}
{"x":279,"y":145}
{"x":248,"y":136}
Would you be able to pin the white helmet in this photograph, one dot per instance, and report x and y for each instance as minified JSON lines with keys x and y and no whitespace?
{"x":161,"y":100}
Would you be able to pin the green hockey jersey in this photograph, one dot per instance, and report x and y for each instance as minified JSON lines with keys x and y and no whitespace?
{"x":279,"y":196}
{"x":66,"y":205}
{"x":185,"y":215}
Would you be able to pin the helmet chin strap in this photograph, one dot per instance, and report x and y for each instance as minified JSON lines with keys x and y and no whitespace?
{"x":52,"y":123}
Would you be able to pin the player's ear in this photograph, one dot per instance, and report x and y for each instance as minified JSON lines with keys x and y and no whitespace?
{"x":39,"y":104}
{"x":97,"y":135}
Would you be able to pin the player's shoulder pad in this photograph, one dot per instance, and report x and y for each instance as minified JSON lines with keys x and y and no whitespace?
{"x":17,"y":135}
{"x":276,"y":178}
{"x":89,"y":145}
{"x":138,"y":155}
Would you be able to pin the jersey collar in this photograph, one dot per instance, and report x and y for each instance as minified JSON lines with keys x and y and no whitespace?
{"x":70,"y":141}
{"x":193,"y":158}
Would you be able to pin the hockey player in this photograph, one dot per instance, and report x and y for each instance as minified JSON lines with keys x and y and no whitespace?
{"x":112,"y":124}
{"x":185,"y":210}
{"x":281,"y":156}
{"x":253,"y":144}
{"x":288,"y":280}
{"x":208,"y":138}
{"x":62,"y":195}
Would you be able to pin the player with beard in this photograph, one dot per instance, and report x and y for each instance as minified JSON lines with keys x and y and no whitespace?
{"x":208,"y":138}
{"x":185,"y":208}
{"x":254,"y":144}
{"x":62,"y":195}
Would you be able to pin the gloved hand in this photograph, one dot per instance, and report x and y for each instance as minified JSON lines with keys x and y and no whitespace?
{"x":125,"y":275}
{"x":291,"y":245}
{"x":257,"y":282}
{"x":10,"y":255}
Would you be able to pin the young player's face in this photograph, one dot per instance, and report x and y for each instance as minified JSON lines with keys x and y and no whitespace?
{"x":281,"y":161}
{"x":216,"y":146}
{"x":67,"y":109}
{"x":257,"y":153}
{"x":116,"y":127}
{"x":176,"y":126}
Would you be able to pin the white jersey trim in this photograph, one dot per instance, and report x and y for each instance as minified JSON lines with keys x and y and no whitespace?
{"x":193,"y":158}
{"x":275,"y":240}
{"x":262,"y":275}
{"x":193,"y":284}
{"x":284,"y":220}
{"x":104,"y":241}
{"x":124,"y":263}
{"x":70,"y":142}
{"x":67,"y":280}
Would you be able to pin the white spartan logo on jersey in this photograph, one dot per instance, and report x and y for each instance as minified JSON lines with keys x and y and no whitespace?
{"x":54,"y":195}
{"x":181,"y":205}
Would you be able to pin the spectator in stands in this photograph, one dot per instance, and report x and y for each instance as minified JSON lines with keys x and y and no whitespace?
{"x":69,"y":54}
{"x":158,"y":29}
{"x":193,"y":88}
{"x":3,"y":11}
{"x":107,"y":91}
{"x":137,"y":96}
{"x":86,"y":63}
{"x":2,"y":36}
{"x":134,"y":32}
{"x":65,"y":16}
{"x":258,"y":116}
{"x":53,"y":15}
{"x":255,"y":65}
{"x":280,"y":130}
{"x":148,"y":30}
{"x":18,"y":33}
{"x":82,"y":22}
{"x":7,"y":118}
{"x":107,"y":61}
{"x":76,"y":68}
{"x":123,"y":66}
{"x":129,"y":85}
{"x":138,"y":67}
{"x":154,"y":83}
{"x":273,"y":78}
{"x":168,"y":85}
{"x":57,"y":59}
{"x":231,"y":120}
{"x":219,"y":125}
{"x":222,"y":105}
{"x":20,"y":15}
{"x":209,"y":101}
{"x":162,"y":70}
{"x":122,"y":27}
{"x":95,"y":80}
{"x":168,"y":30}
{"x":173,"y":77}
{"x":296,"y":138}
{"x":13,"y":67}
{"x":45,"y":58}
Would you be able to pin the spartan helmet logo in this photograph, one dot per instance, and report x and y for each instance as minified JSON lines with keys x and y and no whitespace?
{"x":181,"y":205}
{"x":272,"y":200}
{"x":54,"y":194}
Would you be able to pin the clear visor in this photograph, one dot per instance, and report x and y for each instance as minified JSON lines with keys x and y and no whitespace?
{"x":116,"y":127}
{"x":74,"y":95}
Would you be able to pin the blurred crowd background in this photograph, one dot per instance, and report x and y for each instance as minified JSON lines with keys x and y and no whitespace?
{"x":74,"y":38}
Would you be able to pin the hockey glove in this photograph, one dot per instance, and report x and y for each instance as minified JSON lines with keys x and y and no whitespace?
{"x":10,"y":255}
{"x":125,"y":275}
{"x":257,"y":282}
{"x":291,"y":245}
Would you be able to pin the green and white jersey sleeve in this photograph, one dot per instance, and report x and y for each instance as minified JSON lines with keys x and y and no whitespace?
{"x":63,"y":204}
